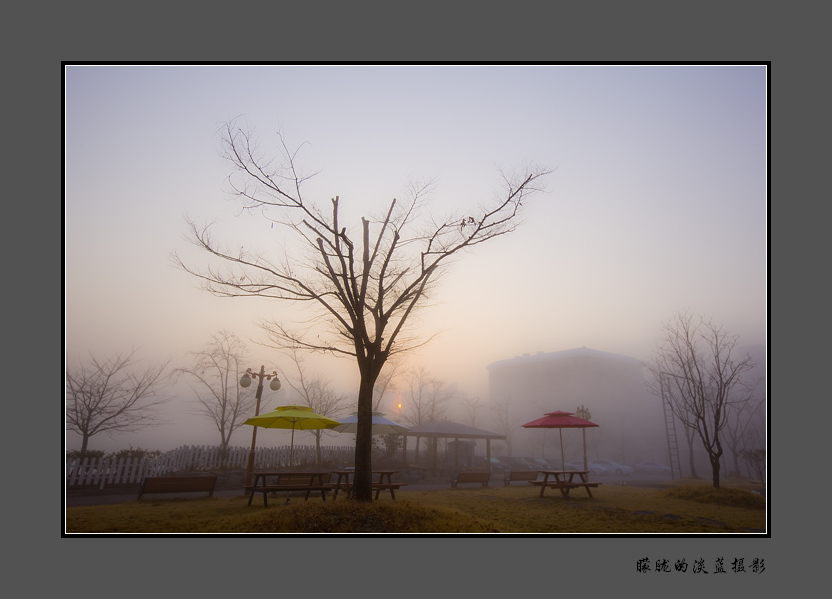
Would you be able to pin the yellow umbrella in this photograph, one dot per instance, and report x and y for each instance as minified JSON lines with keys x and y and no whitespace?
{"x":293,"y":417}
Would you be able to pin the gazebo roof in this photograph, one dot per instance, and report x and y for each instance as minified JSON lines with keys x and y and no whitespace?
{"x":451,"y":430}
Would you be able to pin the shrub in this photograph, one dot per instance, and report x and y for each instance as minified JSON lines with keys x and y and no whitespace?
{"x":72,"y":454}
{"x":138,"y":452}
{"x":722,"y":496}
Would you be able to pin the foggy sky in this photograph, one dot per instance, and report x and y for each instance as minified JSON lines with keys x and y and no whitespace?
{"x":657,"y":203}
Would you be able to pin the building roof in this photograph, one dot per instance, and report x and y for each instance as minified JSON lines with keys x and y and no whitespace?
{"x":578,"y":352}
{"x":451,"y":430}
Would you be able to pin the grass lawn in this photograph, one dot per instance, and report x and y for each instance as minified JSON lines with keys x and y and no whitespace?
{"x":681,"y":509}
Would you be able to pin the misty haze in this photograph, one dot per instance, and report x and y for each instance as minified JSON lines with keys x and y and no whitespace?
{"x":651,"y":203}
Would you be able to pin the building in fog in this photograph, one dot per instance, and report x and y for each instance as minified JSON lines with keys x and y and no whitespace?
{"x":611,"y":386}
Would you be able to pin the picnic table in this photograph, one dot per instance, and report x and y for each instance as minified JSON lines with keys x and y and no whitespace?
{"x":384,"y":482}
{"x":564,"y":480}
{"x":284,"y":480}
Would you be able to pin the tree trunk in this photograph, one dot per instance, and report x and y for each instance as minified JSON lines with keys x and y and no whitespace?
{"x":691,"y":461}
{"x":715,"y":454}
{"x":715,"y":468}
{"x":84,"y":441}
{"x":736,"y":460}
{"x":362,"y":487}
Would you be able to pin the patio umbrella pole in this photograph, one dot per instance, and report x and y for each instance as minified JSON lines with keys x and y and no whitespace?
{"x":291,"y":453}
{"x":292,"y":446}
{"x":562,"y":461}
{"x":584,"y":432}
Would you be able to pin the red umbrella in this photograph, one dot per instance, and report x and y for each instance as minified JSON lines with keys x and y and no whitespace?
{"x":561,"y":420}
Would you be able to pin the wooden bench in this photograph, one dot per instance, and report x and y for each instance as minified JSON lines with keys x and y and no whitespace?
{"x":565,"y":486}
{"x":288,"y":482}
{"x":392,"y":487}
{"x":178,"y":484}
{"x":471,"y":477}
{"x":519,"y":475}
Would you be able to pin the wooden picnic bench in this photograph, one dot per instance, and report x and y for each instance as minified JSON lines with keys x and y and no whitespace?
{"x":378,"y":485}
{"x":288,"y":482}
{"x":565,"y":486}
{"x":564,"y":481}
{"x":519,"y":475}
{"x":476,"y":476}
{"x":388,"y":486}
{"x":178,"y":484}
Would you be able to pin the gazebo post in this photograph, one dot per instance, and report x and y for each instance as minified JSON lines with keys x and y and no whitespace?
{"x":433,"y":432}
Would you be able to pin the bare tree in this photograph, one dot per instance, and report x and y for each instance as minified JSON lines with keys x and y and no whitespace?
{"x":504,"y":423}
{"x":215,"y":374}
{"x":112,"y":396}
{"x":753,"y":452}
{"x":697,"y":367}
{"x":740,"y":420}
{"x":365,"y":281}
{"x":756,"y":461}
{"x":426,"y":400}
{"x":470,"y":406}
{"x":315,"y":392}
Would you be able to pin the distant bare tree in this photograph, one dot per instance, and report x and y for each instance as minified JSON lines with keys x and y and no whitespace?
{"x":425,"y":400}
{"x":740,"y":420}
{"x":315,"y":392}
{"x":753,"y":452}
{"x":365,"y":281}
{"x":385,"y":383}
{"x":112,"y":396}
{"x":504,"y":422}
{"x":756,"y":460}
{"x":470,"y":406}
{"x":214,"y":377}
{"x":697,"y":367}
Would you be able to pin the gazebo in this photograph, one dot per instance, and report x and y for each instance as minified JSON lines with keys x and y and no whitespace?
{"x":449,"y":430}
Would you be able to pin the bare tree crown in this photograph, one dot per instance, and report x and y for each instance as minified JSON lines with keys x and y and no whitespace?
{"x":368,"y":280}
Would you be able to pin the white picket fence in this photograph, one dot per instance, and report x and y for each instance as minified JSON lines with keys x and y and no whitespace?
{"x":105,"y":471}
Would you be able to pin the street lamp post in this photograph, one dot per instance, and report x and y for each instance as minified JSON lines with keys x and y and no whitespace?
{"x":245,"y":381}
